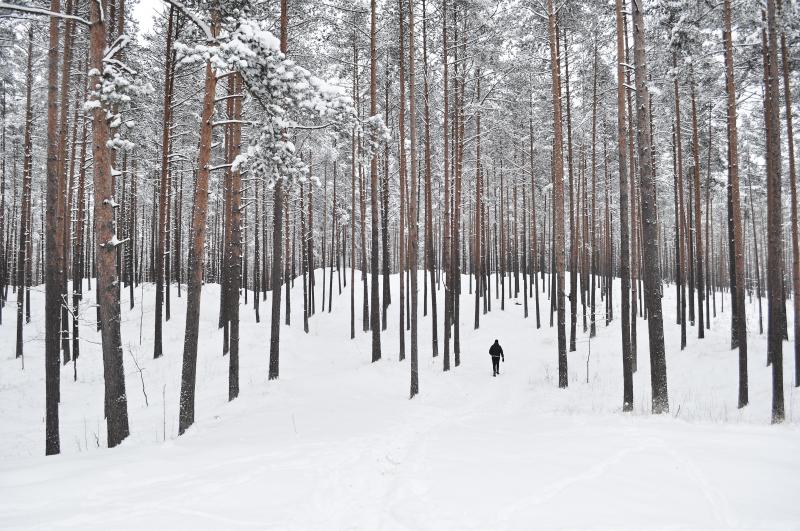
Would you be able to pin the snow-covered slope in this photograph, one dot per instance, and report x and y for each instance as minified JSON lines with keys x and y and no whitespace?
{"x":336,"y":444}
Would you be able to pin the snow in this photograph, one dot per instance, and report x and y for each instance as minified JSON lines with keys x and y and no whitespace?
{"x":336,"y":444}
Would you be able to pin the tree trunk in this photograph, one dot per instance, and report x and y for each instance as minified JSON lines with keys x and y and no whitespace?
{"x":64,"y":207}
{"x":652,"y":274}
{"x":55,"y":250}
{"x":534,"y":241}
{"x":106,"y":253}
{"x":234,"y":243}
{"x":624,"y":249}
{"x":685,"y":261}
{"x":78,"y":252}
{"x":629,"y":295}
{"x":476,"y":242}
{"x":386,"y":257}
{"x":277,"y":241}
{"x":401,"y":238}
{"x":197,"y":251}
{"x":774,"y":217}
{"x":594,"y":257}
{"x":446,"y":179}
{"x":558,"y":196}
{"x":375,"y":308}
{"x":24,"y":227}
{"x":412,"y":210}
{"x":429,"y":247}
{"x":573,"y":248}
{"x":698,"y":219}
{"x":793,"y":191}
{"x":162,"y":195}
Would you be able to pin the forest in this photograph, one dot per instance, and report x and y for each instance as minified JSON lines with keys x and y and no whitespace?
{"x":202,"y":199}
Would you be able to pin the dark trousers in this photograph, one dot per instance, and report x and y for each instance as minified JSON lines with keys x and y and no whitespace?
{"x":495,"y":365}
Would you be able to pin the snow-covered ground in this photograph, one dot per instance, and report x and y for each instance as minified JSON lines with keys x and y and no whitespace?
{"x":336,"y":444}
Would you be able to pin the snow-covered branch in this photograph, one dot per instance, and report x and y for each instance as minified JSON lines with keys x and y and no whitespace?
{"x":194,"y":17}
{"x":42,"y":11}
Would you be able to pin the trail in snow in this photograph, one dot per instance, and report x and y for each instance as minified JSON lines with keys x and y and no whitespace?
{"x":336,"y":444}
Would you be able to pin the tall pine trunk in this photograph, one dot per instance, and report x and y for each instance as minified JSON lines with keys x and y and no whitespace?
{"x":412,"y":210}
{"x":624,"y":249}
{"x":793,"y":191}
{"x":558,"y":196}
{"x":277,"y":242}
{"x":54,"y":257}
{"x":105,"y":249}
{"x":163,"y":204}
{"x":735,"y":233}
{"x":375,"y":307}
{"x":650,"y":254}
{"x":774,"y":216}
{"x":698,"y":228}
{"x":430,"y":262}
{"x":446,"y":179}
{"x":197,"y":251}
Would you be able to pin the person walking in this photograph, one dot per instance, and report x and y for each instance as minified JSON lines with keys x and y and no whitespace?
{"x":496,"y":352}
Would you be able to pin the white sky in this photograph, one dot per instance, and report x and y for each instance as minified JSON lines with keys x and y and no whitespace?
{"x":144,"y":12}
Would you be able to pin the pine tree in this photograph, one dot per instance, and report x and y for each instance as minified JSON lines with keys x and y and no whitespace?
{"x":558,"y":195}
{"x":652,"y":271}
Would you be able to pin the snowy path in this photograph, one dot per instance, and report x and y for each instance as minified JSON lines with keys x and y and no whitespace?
{"x":336,"y":444}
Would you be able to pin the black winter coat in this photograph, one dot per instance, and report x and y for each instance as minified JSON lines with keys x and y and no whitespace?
{"x":496,"y":351}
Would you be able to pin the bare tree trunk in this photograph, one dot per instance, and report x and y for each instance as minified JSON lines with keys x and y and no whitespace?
{"x":757,"y":265}
{"x":386,"y":257}
{"x":476,"y":244}
{"x":257,"y":239}
{"x":162,"y":195}
{"x":534,"y":241}
{"x":353,"y":196}
{"x":304,"y":256}
{"x":573,"y":248}
{"x":55,"y":250}
{"x":652,"y":273}
{"x":309,"y":246}
{"x":698,"y":219}
{"x":288,"y":250}
{"x":334,"y":240}
{"x":24,"y":226}
{"x":624,"y":250}
{"x":412,"y":210}
{"x":457,"y":229}
{"x":106,"y":253}
{"x":362,"y":202}
{"x":502,"y":262}
{"x":592,"y":319}
{"x":5,"y":236}
{"x":685,"y":261}
{"x":375,"y":314}
{"x":585,"y":260}
{"x":709,"y":251}
{"x":774,"y":217}
{"x":234,"y":243}
{"x":429,"y":247}
{"x":558,"y":196}
{"x":78,"y":252}
{"x":324,"y":228}
{"x":793,"y":191}
{"x":63,"y":135}
{"x":446,"y":179}
{"x":196,"y":251}
{"x":629,"y":297}
{"x":401,"y":238}
{"x":277,"y":241}
{"x":524,"y":251}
